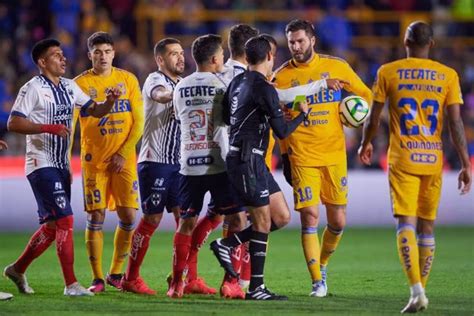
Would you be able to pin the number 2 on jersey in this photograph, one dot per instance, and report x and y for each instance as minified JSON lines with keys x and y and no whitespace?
{"x":406,"y":117}
{"x":201,"y":126}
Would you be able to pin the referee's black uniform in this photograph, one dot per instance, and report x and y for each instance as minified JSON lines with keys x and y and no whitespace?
{"x":250,"y":108}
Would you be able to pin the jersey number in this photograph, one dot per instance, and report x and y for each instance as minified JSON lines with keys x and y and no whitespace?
{"x":406,"y":117}
{"x":201,"y":126}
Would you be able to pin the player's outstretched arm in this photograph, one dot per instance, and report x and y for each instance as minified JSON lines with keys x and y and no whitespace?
{"x":161,"y":95}
{"x":283,"y":129}
{"x":22,"y":125}
{"x":370,"y":129}
{"x":288,"y":95}
{"x":458,"y":138}
{"x":101,"y":109}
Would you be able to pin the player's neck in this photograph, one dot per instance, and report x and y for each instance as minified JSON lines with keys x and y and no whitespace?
{"x":418,"y":53}
{"x":240,"y":59}
{"x":169,"y":74}
{"x":52,"y":78}
{"x":206,"y":68}
{"x":102,"y":72}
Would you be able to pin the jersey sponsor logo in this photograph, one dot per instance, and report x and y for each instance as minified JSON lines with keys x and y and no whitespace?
{"x":159,"y":182}
{"x":200,"y":161}
{"x":121,"y":105}
{"x":197,"y":91}
{"x":324,"y":96}
{"x":420,"y":87}
{"x":419,"y":74}
{"x":423,"y":158}
{"x":58,"y":186}
{"x":423,"y":145}
{"x":264,"y":193}
{"x":199,"y":146}
{"x":195,"y":102}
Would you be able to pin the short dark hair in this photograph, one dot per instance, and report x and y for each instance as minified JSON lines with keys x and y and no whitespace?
{"x":257,"y":49}
{"x":238,"y":36}
{"x":42,"y":47}
{"x":419,"y":33}
{"x":99,"y":38}
{"x":269,"y":38}
{"x":205,"y":46}
{"x":160,"y":47}
{"x":297,"y":25}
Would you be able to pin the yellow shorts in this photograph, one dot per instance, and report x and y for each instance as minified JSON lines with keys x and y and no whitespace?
{"x":314,"y":184}
{"x":104,"y":189}
{"x":414,"y":195}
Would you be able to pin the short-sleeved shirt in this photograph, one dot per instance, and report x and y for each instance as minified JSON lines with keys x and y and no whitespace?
{"x":232,"y":68}
{"x":418,"y":92}
{"x":161,"y":136}
{"x":322,"y":142}
{"x":197,"y":101}
{"x":43,"y":102}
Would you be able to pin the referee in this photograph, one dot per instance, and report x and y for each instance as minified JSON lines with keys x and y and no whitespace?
{"x":251,"y":107}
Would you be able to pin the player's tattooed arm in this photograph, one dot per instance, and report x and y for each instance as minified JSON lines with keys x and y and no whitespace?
{"x":458,"y":137}
{"x":370,"y":129}
{"x":101,"y":109}
{"x":161,"y":94}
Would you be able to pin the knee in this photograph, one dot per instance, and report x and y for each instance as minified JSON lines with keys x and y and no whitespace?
{"x":425,"y":227}
{"x":309,"y":217}
{"x":236,"y":222}
{"x":96,"y":216}
{"x":282,"y":219}
{"x":338,"y":223}
{"x":127,"y":216}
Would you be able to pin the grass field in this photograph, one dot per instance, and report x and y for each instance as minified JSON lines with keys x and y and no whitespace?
{"x":364,"y":277}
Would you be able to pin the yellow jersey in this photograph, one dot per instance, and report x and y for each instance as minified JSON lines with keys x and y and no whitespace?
{"x":322,"y":143}
{"x":417,"y":90}
{"x":118,"y":131}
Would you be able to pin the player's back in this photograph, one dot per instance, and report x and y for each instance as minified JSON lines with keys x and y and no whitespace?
{"x":197,"y":100}
{"x":417,"y":90}
{"x":101,"y":138}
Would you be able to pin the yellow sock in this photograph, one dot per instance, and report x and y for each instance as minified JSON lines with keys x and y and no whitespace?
{"x":408,"y":252}
{"x":331,"y":238}
{"x":122,"y":242}
{"x":94,"y":246}
{"x":310,"y":242}
{"x":426,"y":248}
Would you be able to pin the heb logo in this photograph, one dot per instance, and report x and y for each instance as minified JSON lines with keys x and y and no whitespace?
{"x":199,"y":161}
{"x":423,"y":158}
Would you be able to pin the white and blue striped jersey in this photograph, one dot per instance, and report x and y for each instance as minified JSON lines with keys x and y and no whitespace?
{"x":161,"y":136}
{"x":197,"y":100}
{"x":42,"y":102}
{"x":232,"y":68}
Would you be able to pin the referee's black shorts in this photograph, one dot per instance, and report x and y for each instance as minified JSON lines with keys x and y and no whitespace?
{"x":251,"y":179}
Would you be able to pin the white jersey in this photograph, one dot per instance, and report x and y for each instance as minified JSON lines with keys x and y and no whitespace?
{"x":161,"y":135}
{"x":232,"y":68}
{"x":42,"y":102}
{"x":197,"y":101}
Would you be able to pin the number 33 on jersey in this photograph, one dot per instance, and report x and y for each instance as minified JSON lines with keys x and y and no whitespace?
{"x":418,"y":91}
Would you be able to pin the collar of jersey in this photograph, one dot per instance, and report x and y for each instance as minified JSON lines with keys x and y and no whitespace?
{"x":50,"y":82}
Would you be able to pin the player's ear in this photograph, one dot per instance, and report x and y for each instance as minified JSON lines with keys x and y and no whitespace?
{"x":432,"y":43}
{"x":89,"y":55}
{"x":313,"y":41}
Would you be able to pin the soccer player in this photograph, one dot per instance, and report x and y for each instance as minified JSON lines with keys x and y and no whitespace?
{"x":251,"y":107}
{"x":197,"y":100}
{"x":419,"y":91}
{"x":43,"y":111}
{"x":108,"y":158}
{"x":158,"y":162}
{"x":315,"y":154}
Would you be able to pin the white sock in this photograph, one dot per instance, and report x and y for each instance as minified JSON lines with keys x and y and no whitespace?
{"x":416,"y":289}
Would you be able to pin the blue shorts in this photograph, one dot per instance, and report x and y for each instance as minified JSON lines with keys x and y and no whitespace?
{"x":52,"y":190}
{"x":159,"y":186}
{"x":251,"y":179}
{"x":193,"y":188}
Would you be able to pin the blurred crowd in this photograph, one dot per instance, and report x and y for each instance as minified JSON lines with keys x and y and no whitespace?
{"x":23,"y":22}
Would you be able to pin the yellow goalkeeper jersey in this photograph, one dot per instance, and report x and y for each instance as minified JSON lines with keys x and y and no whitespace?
{"x":322,"y":143}
{"x":118,"y":131}
{"x":418,"y":91}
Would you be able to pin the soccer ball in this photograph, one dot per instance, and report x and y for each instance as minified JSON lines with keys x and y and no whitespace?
{"x":353,"y":111}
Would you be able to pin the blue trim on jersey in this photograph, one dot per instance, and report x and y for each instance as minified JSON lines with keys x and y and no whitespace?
{"x":17,"y":113}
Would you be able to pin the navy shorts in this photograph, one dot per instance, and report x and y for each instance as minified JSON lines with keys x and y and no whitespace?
{"x":159,"y":186}
{"x":251,"y":179}
{"x":224,"y":198}
{"x":52,"y":190}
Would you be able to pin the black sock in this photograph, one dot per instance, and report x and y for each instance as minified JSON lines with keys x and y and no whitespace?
{"x":258,"y":253}
{"x":274,"y":227}
{"x":238,"y":238}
